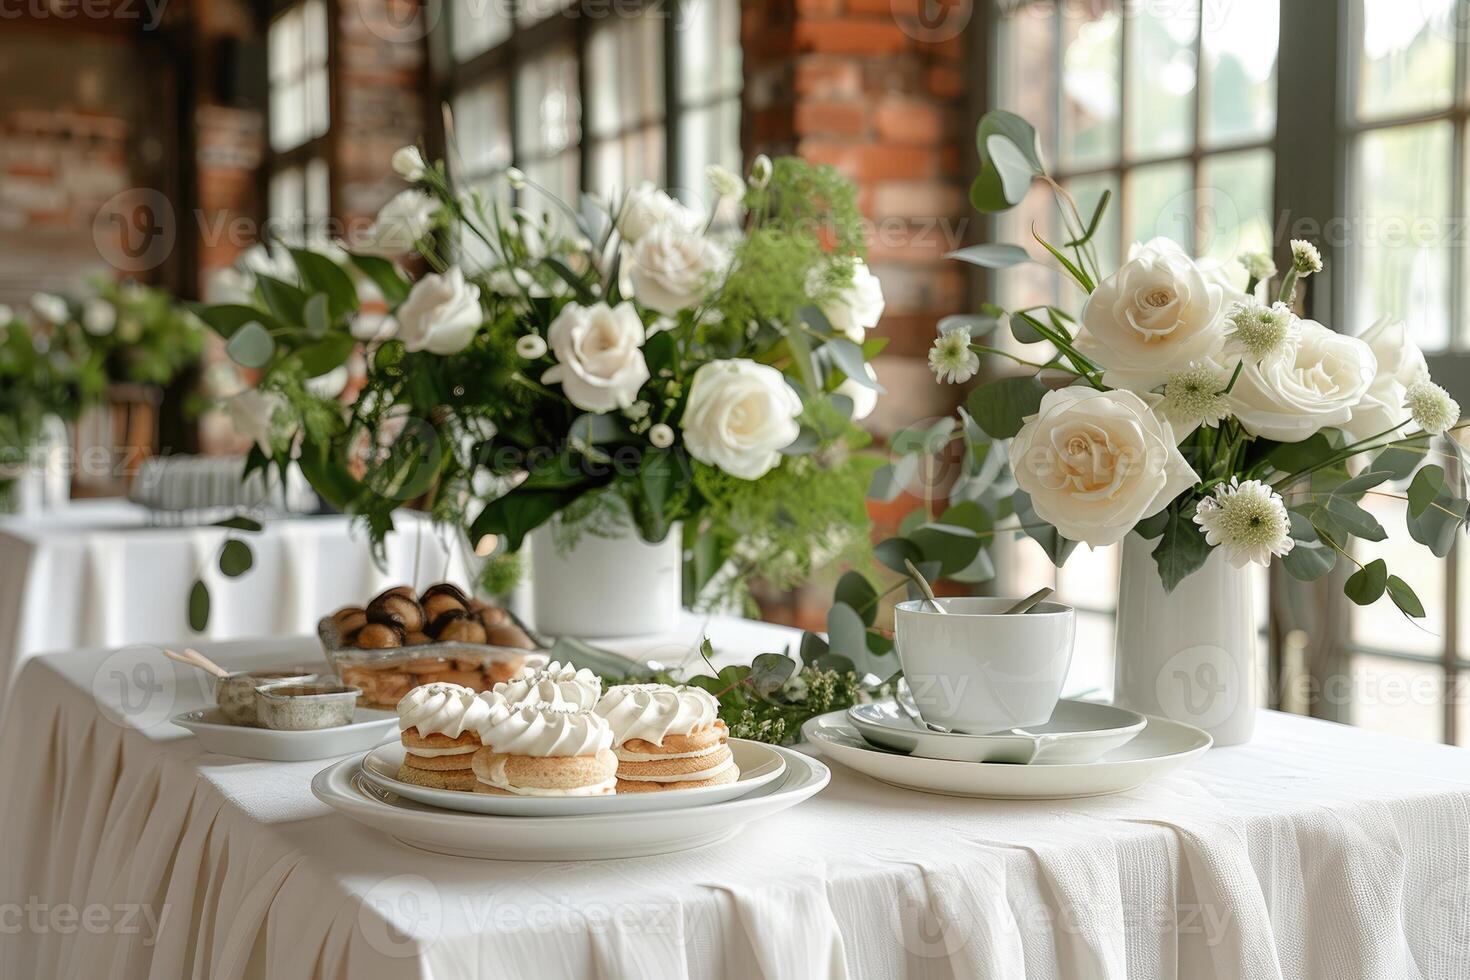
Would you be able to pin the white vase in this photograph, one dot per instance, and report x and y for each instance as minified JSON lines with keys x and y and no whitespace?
{"x":1190,"y":654}
{"x":44,"y":480}
{"x":605,"y":585}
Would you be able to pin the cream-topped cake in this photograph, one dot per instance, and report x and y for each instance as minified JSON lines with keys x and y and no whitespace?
{"x":545,"y":749}
{"x":439,"y":724}
{"x":667,"y":737}
{"x":556,"y":683}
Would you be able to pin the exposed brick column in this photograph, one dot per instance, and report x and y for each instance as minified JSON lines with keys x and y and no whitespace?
{"x":878,"y":92}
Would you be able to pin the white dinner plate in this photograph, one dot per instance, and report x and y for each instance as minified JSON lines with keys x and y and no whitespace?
{"x":368,"y":728}
{"x":759,"y":764}
{"x":344,"y":787}
{"x":1162,"y":746}
{"x":1078,"y":731}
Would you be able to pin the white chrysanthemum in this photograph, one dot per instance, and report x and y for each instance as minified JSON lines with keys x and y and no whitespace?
{"x":1258,"y":331}
{"x":661,"y":436}
{"x":951,"y":358}
{"x":1248,"y":520}
{"x":1195,"y":397}
{"x":531,"y":346}
{"x":1258,"y":265}
{"x":1304,"y":257}
{"x":1431,"y":407}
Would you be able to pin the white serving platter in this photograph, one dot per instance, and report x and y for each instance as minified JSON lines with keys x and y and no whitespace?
{"x":759,"y":764}
{"x":593,"y":836}
{"x":369,"y":727}
{"x":1161,"y":747}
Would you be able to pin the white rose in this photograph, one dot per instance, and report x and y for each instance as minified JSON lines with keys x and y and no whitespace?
{"x":1310,"y":385}
{"x":858,"y":307}
{"x":253,"y":413}
{"x":1095,"y":463}
{"x":408,"y":163}
{"x":673,"y":268}
{"x":863,"y":398}
{"x":53,"y":309}
{"x":1154,"y":316}
{"x":1400,"y":364}
{"x":739,"y":417}
{"x":441,"y":313}
{"x":402,"y":222}
{"x":599,"y":353}
{"x":645,"y":207}
{"x":329,"y":385}
{"x":371,"y":327}
{"x":98,"y":317}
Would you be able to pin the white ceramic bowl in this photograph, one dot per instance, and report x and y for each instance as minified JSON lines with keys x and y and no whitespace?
{"x":974,"y":669}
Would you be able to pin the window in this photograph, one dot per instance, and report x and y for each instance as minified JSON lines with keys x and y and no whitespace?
{"x":595,"y":103}
{"x":1172,"y":108}
{"x":300,"y":117}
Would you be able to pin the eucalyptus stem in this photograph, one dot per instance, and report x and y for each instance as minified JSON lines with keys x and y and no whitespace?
{"x":1288,"y":287}
{"x":982,"y":349}
{"x":1348,"y":452}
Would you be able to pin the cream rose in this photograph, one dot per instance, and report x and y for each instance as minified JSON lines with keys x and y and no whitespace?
{"x":441,"y":313}
{"x":599,"y":350}
{"x":673,"y":269}
{"x":1095,"y":463}
{"x":740,"y":416}
{"x":864,"y":398}
{"x":1400,"y":364}
{"x":646,"y":207}
{"x":399,"y":225}
{"x":255,"y":416}
{"x":858,"y":307}
{"x":1312,"y":384}
{"x":1153,"y":316}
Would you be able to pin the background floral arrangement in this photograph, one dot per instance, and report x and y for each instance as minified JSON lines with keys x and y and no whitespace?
{"x":630,"y":360}
{"x":1198,"y":413}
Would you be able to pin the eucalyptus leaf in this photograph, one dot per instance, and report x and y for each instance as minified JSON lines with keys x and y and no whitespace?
{"x":846,"y":632}
{"x":848,"y":357}
{"x":199,"y":607}
{"x":1356,"y":486}
{"x":1437,"y":526}
{"x":856,"y":591}
{"x":1001,"y":407}
{"x":925,"y":440}
{"x":893,"y":552}
{"x":1057,"y":548}
{"x":1404,"y":597}
{"x":812,"y":648}
{"x":980,"y":569}
{"x":769,"y":671}
{"x":317,"y":317}
{"x":992,"y":255}
{"x":235,"y":558}
{"x":1308,"y":562}
{"x":1182,"y":549}
{"x":251,"y":346}
{"x":1009,"y":159}
{"x":891,"y":479}
{"x":1366,"y":585}
{"x":285,"y":301}
{"x":1424,"y":488}
{"x":1293,"y":457}
{"x":240,"y":523}
{"x":385,"y":275}
{"x":1355,"y":519}
{"x":328,"y":280}
{"x":953,"y":548}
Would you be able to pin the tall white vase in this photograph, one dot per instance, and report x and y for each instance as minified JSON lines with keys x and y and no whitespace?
{"x":1190,"y":654}
{"x":606,"y":586}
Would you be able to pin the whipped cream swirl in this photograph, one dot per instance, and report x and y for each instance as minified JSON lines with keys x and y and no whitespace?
{"x":545,"y":730}
{"x":652,"y":711}
{"x":555,"y":683}
{"x":446,"y":709}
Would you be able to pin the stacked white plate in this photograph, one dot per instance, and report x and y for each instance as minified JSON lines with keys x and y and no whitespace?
{"x":1086,"y":749}
{"x":365,"y":788}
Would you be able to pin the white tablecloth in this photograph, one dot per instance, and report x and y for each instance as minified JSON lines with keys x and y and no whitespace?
{"x":94,"y":574}
{"x":1315,"y":851}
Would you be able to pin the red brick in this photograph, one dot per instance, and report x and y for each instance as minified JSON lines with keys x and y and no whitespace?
{"x":945,"y":81}
{"x":850,"y":36}
{"x":831,"y":119}
{"x":818,"y":8}
{"x":871,"y":161}
{"x":910,"y":123}
{"x":827,"y":78}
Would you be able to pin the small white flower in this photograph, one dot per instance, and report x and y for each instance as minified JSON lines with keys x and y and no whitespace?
{"x":531,"y":346}
{"x":951,"y":359}
{"x":647,"y":207}
{"x":256,"y":415}
{"x":404,"y":220}
{"x":1305,"y":258}
{"x":1258,"y":331}
{"x":516,"y":178}
{"x":1258,"y":265}
{"x":408,"y":163}
{"x":328,"y":386}
{"x":53,"y":309}
{"x":1431,"y":407}
{"x":98,"y":317}
{"x":863,"y":397}
{"x":661,"y":436}
{"x":724,"y":182}
{"x":1195,"y":397}
{"x":1248,"y":520}
{"x":857,"y":308}
{"x":6,"y":314}
{"x":371,"y":327}
{"x":638,"y":411}
{"x":441,"y":314}
{"x":760,"y":171}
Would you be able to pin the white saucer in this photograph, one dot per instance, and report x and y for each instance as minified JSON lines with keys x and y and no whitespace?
{"x":1078,"y":731}
{"x":1162,"y":746}
{"x":368,"y":728}
{"x":345,"y":788}
{"x":759,"y":764}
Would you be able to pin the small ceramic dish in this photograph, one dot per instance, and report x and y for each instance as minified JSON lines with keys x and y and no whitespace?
{"x":1077,"y":732}
{"x":235,"y":693}
{"x":302,"y":706}
{"x":215,"y":734}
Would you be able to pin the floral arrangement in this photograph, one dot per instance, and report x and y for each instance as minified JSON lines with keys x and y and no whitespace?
{"x":630,"y":361}
{"x":1199,"y":413}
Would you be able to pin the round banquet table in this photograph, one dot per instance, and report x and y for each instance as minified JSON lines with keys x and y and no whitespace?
{"x":1315,"y":851}
{"x":95,"y":573}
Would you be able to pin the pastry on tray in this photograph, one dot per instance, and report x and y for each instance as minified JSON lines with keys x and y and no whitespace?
{"x":439,"y":725}
{"x":555,"y":683}
{"x":544,"y":750}
{"x":667,"y":738}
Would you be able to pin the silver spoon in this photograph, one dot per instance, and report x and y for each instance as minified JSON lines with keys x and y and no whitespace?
{"x":904,"y":697}
{"x":924,"y":587}
{"x":1030,"y":602}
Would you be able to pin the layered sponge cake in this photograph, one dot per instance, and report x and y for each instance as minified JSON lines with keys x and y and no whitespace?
{"x":667,"y":738}
{"x":544,"y":749}
{"x":439,"y":724}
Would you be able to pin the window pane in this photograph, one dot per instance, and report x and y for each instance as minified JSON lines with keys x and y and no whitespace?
{"x":1161,"y":78}
{"x":1026,"y":69}
{"x":318,"y":192}
{"x":1087,"y":191}
{"x":287,"y":194}
{"x":1239,"y":48}
{"x":1233,"y":205}
{"x":314,"y":31}
{"x":709,"y":49}
{"x":1381,"y":624}
{"x":1406,"y":62}
{"x":478,"y":25}
{"x":1034,"y":283}
{"x":1397,"y":696}
{"x":1091,"y":83}
{"x":559,"y":176}
{"x":531,"y":11}
{"x":710,"y":135}
{"x":285,"y":46}
{"x":1401,"y":262}
{"x":625,"y":76}
{"x":1160,"y":202}
{"x":548,"y":111}
{"x":482,"y":129}
{"x":628,"y":160}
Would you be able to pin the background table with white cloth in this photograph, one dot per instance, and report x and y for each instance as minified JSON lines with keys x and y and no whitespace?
{"x":1314,"y":851}
{"x":95,"y":573}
